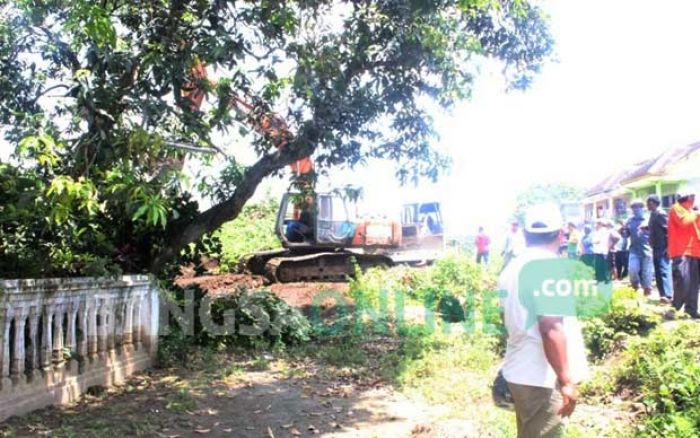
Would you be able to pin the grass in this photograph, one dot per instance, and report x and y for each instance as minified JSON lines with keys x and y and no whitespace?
{"x":451,"y":369}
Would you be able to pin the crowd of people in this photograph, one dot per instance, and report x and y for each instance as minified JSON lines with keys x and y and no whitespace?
{"x":651,"y":247}
{"x":544,"y":362}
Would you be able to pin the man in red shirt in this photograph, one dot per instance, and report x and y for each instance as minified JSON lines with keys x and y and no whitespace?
{"x":684,"y":250}
{"x":482,"y":247}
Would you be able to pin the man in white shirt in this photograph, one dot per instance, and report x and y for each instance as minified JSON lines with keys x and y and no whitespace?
{"x":603,"y":239}
{"x":514,"y":244}
{"x":545,"y":361}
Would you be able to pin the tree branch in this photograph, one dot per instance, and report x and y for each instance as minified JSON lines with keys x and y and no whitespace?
{"x":219,"y":214}
{"x":63,"y":48}
{"x":43,"y":92}
{"x":192,"y":148}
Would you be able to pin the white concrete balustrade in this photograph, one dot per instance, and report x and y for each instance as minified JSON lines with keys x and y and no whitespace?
{"x":58,"y":337}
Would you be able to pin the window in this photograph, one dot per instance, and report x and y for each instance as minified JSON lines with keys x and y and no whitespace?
{"x":668,"y":200}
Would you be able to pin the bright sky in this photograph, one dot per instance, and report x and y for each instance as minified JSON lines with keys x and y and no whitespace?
{"x":625,"y":88}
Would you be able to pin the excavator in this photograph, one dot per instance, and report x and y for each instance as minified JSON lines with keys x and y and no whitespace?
{"x":322,"y":235}
{"x":324,"y":239}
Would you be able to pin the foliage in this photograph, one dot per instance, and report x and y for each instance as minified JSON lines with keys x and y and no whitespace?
{"x":451,"y":370}
{"x":99,"y":101}
{"x":241,"y":317}
{"x":262,"y":315}
{"x":663,"y":370}
{"x":52,"y":224}
{"x":252,"y":230}
{"x":557,"y":193}
{"x":627,"y":316}
{"x":455,"y":287}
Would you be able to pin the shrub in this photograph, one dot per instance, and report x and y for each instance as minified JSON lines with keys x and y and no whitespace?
{"x":666,"y":370}
{"x":663,"y":370}
{"x":459,"y":276}
{"x":253,"y":230}
{"x":258,"y":319}
{"x":260,"y":316}
{"x":627,"y":315}
{"x":455,"y":287}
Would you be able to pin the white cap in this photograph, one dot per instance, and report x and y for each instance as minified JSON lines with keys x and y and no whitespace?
{"x":543,"y":218}
{"x":684,"y":191}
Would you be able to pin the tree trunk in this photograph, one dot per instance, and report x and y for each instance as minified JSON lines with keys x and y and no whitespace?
{"x":216,"y":216}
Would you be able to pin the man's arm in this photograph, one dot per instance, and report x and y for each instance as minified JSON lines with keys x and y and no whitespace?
{"x":554,"y":343}
{"x":653,"y":220}
{"x":685,"y":217}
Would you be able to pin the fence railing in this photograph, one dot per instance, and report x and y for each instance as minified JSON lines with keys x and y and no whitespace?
{"x":58,"y":337}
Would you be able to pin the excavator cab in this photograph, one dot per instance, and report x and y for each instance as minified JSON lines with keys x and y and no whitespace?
{"x":329,"y":220}
{"x":422,"y":229}
{"x":322,"y":220}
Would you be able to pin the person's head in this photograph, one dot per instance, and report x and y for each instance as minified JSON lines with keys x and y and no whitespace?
{"x":571,"y":226}
{"x":481,"y":229}
{"x":637,"y":207}
{"x":686,"y":197}
{"x":587,"y":229}
{"x":653,"y":202}
{"x":543,"y":223}
{"x":514,"y":226}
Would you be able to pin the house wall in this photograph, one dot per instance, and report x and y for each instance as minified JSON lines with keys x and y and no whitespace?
{"x":610,"y":207}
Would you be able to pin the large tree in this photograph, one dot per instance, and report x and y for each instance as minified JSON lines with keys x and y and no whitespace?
{"x":96,"y":97}
{"x":559,"y":193}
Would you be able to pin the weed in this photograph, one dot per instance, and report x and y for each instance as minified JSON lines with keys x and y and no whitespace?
{"x":663,"y":370}
{"x":627,"y":316}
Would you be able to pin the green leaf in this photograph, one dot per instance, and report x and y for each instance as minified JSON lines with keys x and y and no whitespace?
{"x":140,"y":212}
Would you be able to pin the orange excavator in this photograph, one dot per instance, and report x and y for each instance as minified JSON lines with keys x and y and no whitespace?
{"x":321,"y":234}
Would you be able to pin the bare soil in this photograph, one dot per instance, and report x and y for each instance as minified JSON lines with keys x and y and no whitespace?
{"x":222,"y":283}
{"x":245,"y":397}
{"x":261,"y":395}
{"x":303,"y":296}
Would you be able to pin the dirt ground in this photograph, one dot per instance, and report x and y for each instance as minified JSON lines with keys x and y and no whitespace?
{"x":261,"y":404}
{"x":245,"y":397}
{"x":261,"y":395}
{"x":222,"y":283}
{"x":237,"y":395}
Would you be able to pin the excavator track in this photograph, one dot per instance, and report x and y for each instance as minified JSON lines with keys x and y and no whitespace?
{"x":323,"y":266}
{"x":254,"y":263}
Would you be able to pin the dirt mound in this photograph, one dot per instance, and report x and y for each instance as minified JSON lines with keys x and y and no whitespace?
{"x":223,"y":283}
{"x":300,"y":295}
{"x":303,"y":295}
